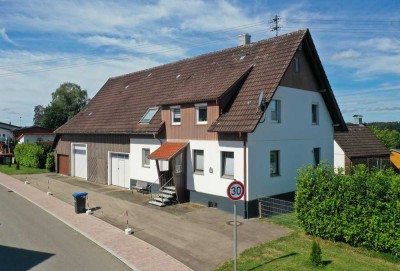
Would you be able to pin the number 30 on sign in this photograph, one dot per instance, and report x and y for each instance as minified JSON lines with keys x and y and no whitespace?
{"x":235,"y":190}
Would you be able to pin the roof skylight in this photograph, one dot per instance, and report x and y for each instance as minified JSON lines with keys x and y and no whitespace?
{"x":149,"y":115}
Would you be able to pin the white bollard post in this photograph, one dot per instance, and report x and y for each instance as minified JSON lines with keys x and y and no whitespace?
{"x":48,"y":188}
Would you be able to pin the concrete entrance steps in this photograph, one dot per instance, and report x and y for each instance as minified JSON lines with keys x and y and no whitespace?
{"x":166,"y":196}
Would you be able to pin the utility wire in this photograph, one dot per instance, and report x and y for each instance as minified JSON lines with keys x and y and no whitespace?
{"x":139,"y":47}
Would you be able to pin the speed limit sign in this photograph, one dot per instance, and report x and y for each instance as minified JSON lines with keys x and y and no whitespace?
{"x":235,"y":190}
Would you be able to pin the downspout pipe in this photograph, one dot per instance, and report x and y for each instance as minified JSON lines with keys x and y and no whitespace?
{"x":246,"y":211}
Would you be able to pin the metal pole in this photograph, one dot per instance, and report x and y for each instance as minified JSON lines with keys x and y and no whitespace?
{"x":234,"y":237}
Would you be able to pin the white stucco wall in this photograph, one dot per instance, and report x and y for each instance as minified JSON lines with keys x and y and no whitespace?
{"x":339,"y":157}
{"x":213,"y":183}
{"x":6,"y":133}
{"x":34,"y":138}
{"x":295,"y":137}
{"x":137,"y":171}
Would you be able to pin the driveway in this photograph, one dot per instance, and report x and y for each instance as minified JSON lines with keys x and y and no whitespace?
{"x":198,"y":236}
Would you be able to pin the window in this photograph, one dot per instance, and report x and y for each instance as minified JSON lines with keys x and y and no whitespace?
{"x":274,"y":163}
{"x":201,"y":113}
{"x":198,"y":160}
{"x":228,"y":159}
{"x":149,"y":115}
{"x":145,"y":160}
{"x":276,"y":111}
{"x":296,"y":64}
{"x":317,"y":156}
{"x":314,"y":113}
{"x":175,"y":115}
{"x":178,"y":163}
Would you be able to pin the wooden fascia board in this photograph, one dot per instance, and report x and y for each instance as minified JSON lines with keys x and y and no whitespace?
{"x":322,"y":79}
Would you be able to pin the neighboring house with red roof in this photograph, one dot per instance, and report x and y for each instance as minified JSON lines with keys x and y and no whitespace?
{"x":359,"y":146}
{"x":34,"y":134}
{"x":254,"y":113}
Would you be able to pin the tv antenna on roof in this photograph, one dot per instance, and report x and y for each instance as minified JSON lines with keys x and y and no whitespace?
{"x":261,"y":102}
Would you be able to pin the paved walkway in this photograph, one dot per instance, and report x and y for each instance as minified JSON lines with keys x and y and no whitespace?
{"x":197,"y":236}
{"x":136,"y":253}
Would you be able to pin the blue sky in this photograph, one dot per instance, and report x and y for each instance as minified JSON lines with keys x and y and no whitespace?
{"x":44,"y":43}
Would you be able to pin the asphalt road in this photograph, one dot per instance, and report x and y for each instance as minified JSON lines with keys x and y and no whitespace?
{"x":31,"y":239}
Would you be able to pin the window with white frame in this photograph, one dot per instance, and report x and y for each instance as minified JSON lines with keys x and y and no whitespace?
{"x":317,"y":156}
{"x":198,"y":161}
{"x":275,"y":111}
{"x":201,"y":113}
{"x":315,"y":113}
{"x":228,"y":162}
{"x":175,"y":115}
{"x":145,"y":159}
{"x":274,"y":163}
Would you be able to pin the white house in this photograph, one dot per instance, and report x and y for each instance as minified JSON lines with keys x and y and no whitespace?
{"x":253,"y":113}
{"x":6,"y":131}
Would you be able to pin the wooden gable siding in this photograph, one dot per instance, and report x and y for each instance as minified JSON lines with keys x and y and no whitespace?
{"x":304,"y":79}
{"x":188,"y":128}
{"x":98,"y":147}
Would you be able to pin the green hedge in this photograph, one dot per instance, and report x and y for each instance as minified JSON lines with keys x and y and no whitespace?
{"x":31,"y":155}
{"x":362,"y":209}
{"x":50,"y":161}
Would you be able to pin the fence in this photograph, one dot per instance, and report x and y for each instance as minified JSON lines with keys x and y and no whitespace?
{"x":268,"y":207}
{"x":373,"y":163}
{"x":277,"y":211}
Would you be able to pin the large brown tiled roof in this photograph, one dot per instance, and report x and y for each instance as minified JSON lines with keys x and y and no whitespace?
{"x":123,"y":100}
{"x":360,"y":141}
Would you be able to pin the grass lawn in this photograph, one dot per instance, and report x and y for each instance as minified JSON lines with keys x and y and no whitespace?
{"x":292,"y":253}
{"x":22,"y":170}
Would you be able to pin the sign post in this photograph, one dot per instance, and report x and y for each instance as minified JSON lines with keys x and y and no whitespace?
{"x":235,"y":192}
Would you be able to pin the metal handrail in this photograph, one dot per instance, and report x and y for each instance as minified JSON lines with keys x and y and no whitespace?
{"x":166,"y":184}
{"x":162,"y":187}
{"x":149,"y":188}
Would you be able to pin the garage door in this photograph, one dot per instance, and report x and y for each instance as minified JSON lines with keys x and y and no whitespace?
{"x":80,"y":161}
{"x":62,"y":164}
{"x":120,"y":170}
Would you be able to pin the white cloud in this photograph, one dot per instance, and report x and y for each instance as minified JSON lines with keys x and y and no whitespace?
{"x":345,"y":55}
{"x":4,"y":36}
{"x":20,"y":93}
{"x":131,"y":44}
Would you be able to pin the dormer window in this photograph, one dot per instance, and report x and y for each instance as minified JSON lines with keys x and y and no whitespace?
{"x":201,"y":113}
{"x":149,"y":115}
{"x":175,"y":115}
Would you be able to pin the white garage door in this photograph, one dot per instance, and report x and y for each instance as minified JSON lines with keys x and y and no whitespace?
{"x":80,"y":161}
{"x":120,"y":170}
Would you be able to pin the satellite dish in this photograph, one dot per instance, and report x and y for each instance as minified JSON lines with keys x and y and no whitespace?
{"x":261,"y":102}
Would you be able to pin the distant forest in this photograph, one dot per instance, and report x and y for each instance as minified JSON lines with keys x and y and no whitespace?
{"x":393,"y":125}
{"x":387,"y":132}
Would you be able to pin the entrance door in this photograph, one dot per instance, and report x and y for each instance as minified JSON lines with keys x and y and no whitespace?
{"x":80,"y":161}
{"x":120,"y":170}
{"x":63,"y":164}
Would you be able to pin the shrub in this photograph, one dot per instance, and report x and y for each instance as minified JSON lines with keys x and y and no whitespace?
{"x":316,"y":254}
{"x":50,"y":161}
{"x":362,"y":209}
{"x":17,"y":166}
{"x":30,"y":155}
